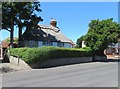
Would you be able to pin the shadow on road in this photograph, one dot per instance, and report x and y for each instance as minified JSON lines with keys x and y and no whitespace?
{"x":113,"y":60}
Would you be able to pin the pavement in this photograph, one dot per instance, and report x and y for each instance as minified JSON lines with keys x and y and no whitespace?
{"x":96,"y":74}
{"x":8,"y":68}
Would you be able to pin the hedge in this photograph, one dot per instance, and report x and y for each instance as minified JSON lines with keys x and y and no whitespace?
{"x":33,"y":55}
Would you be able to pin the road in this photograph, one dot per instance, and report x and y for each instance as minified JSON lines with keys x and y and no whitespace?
{"x":97,"y":74}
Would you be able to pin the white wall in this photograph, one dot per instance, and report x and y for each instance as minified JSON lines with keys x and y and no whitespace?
{"x":67,"y":45}
{"x":40,"y":43}
{"x":83,"y":44}
{"x":54,"y":43}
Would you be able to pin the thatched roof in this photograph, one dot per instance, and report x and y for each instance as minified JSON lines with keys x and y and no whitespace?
{"x":45,"y":33}
{"x":5,"y":44}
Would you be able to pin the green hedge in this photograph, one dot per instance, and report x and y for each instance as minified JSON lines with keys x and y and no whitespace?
{"x":32,"y":55}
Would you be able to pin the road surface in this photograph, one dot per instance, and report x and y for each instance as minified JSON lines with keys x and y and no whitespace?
{"x":97,"y":74}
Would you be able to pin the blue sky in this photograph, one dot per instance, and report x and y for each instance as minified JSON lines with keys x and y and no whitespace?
{"x":73,"y":18}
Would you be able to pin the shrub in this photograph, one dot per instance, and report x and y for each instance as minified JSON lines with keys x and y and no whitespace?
{"x":33,"y":55}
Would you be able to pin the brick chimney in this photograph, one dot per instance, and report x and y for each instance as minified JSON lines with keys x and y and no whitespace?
{"x":53,"y":22}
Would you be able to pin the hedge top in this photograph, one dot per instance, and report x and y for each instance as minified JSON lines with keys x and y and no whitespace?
{"x":33,"y":55}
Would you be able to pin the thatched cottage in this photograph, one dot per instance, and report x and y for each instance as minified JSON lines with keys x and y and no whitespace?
{"x":46,"y":36}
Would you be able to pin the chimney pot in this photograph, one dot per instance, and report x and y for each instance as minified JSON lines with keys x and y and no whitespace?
{"x":53,"y":22}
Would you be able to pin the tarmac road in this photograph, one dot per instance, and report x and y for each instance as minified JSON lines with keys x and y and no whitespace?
{"x":97,"y":74}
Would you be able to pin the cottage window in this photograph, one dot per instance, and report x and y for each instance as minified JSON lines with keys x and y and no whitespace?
{"x":48,"y":43}
{"x":60,"y":44}
{"x":32,"y":42}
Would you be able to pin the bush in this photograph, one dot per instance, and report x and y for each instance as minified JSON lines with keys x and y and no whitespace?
{"x":33,"y":55}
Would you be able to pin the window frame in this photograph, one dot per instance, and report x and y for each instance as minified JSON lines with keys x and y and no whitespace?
{"x":60,"y":44}
{"x":47,"y":43}
{"x":32,"y":42}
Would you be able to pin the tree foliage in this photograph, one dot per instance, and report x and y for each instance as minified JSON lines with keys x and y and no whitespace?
{"x":21,"y":14}
{"x":101,"y":33}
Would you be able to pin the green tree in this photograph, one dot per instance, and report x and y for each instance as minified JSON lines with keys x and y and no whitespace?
{"x":101,"y":33}
{"x":26,"y":16}
{"x":8,"y":19}
{"x":21,"y":14}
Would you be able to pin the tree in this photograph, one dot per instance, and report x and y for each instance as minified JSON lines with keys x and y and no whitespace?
{"x":21,"y":14}
{"x":79,"y":41}
{"x":101,"y":33}
{"x":26,"y":15}
{"x":8,"y":18}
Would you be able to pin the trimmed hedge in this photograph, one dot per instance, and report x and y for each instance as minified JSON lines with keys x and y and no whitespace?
{"x":33,"y":55}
